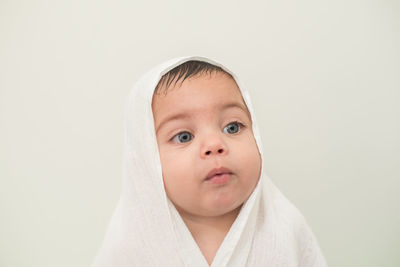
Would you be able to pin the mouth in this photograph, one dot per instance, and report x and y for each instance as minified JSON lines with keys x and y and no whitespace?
{"x":219,"y":176}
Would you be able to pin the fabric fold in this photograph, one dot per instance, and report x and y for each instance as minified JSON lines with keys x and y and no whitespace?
{"x":147,"y":230}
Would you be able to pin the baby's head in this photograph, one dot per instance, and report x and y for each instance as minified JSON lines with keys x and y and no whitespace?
{"x":209,"y":157}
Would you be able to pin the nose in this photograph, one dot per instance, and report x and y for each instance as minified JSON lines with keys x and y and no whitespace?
{"x":213,"y":145}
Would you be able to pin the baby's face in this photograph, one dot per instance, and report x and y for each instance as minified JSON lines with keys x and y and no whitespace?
{"x":209,"y":157}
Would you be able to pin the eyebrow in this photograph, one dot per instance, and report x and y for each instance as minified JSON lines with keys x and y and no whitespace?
{"x":180,"y":116}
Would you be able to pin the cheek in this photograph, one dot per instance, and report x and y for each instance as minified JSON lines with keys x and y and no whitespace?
{"x":251,"y":159}
{"x":179,"y":180}
{"x":174,"y":164}
{"x":247,"y":144}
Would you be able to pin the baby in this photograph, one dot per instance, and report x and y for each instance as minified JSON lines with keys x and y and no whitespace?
{"x":209,"y":157}
{"x":195,"y":192}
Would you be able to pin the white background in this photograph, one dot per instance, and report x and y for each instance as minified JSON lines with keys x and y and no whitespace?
{"x":325,"y":81}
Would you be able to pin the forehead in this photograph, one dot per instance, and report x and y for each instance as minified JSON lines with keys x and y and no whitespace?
{"x":211,"y":89}
{"x":198,"y":95}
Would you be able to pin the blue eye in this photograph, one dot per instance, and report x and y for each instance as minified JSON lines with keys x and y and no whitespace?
{"x":232,"y":128}
{"x":182,"y":137}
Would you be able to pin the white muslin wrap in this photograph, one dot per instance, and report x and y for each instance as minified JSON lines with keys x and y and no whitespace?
{"x":146,"y":229}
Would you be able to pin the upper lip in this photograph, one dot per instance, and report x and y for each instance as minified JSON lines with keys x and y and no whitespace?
{"x":215,"y":171}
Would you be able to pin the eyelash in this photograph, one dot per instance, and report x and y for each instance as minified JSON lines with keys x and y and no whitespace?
{"x":241,"y":127}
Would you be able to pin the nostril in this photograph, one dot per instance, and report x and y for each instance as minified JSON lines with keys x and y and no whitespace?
{"x":209,"y":152}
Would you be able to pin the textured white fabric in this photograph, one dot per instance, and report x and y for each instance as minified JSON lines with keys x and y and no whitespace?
{"x":147,"y":230}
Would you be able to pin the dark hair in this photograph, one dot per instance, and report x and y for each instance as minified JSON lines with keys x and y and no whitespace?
{"x":186,"y":70}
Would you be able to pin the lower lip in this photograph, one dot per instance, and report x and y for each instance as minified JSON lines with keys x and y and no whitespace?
{"x":219,"y":179}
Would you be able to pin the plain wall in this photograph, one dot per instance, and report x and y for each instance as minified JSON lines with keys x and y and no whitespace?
{"x":324,"y":77}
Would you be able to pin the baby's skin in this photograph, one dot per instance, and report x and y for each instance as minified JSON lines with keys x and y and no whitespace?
{"x":209,"y":157}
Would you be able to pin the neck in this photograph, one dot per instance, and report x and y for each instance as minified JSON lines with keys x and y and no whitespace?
{"x":209,"y":223}
{"x":209,"y":231}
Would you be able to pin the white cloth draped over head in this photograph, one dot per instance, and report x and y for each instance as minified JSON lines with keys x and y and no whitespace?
{"x":147,"y":230}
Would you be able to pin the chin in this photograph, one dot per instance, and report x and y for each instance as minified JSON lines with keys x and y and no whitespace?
{"x":224,"y":209}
